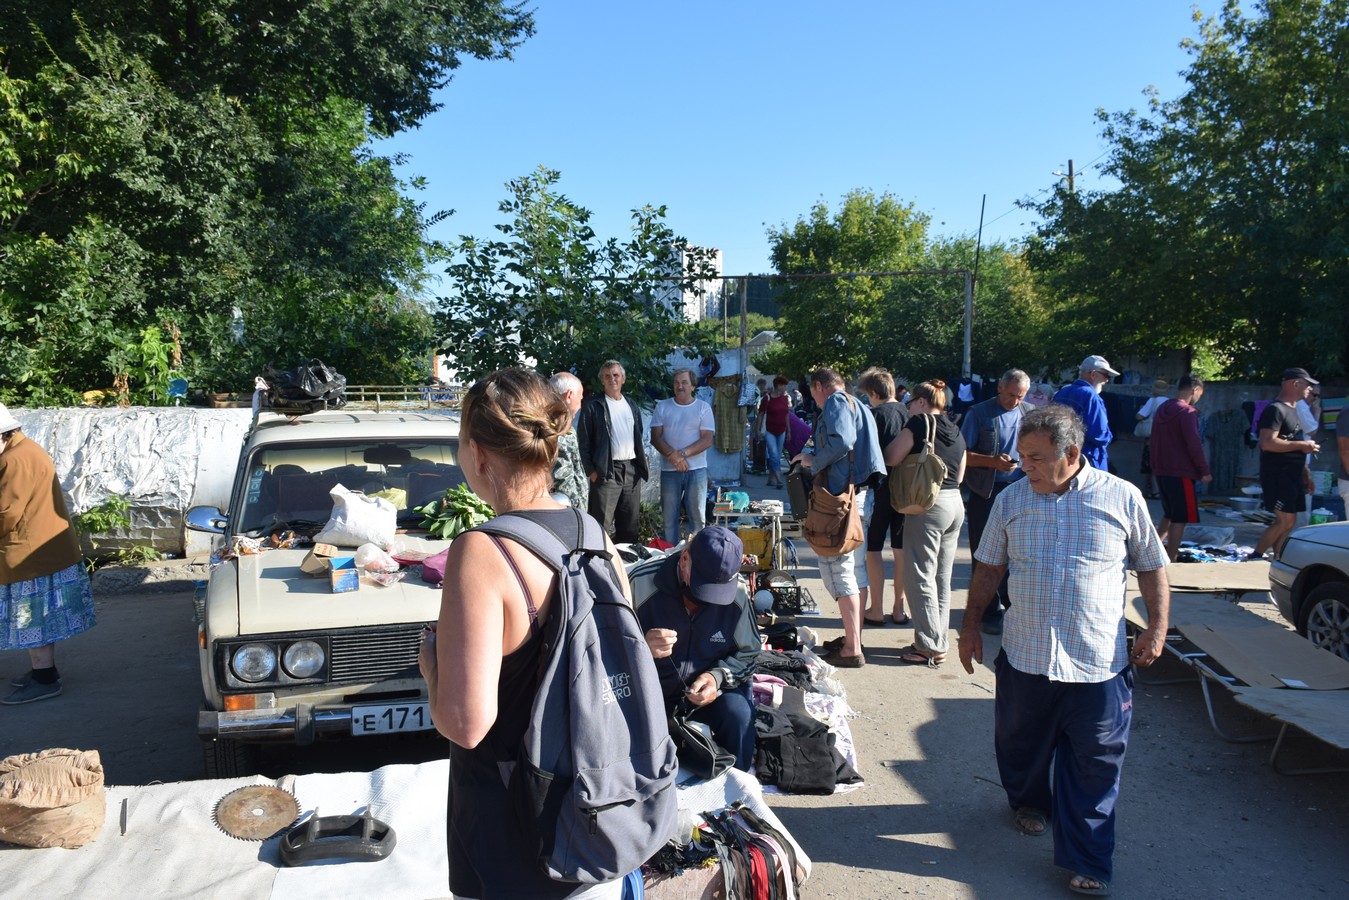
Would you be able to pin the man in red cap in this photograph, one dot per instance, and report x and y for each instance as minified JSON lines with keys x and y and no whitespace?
{"x":1285,"y":480}
{"x":700,"y":628}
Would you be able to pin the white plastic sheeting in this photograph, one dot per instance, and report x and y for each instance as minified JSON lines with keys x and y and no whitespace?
{"x":163,"y":460}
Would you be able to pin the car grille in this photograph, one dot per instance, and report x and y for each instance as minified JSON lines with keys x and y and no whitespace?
{"x":374,"y":656}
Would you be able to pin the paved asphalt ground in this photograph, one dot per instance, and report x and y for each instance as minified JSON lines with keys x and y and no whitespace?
{"x":1198,"y":817}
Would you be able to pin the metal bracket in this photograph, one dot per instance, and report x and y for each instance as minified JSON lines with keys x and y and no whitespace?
{"x":360,"y":838}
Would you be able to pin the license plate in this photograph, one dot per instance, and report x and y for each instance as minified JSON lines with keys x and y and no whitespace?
{"x":390,"y":719}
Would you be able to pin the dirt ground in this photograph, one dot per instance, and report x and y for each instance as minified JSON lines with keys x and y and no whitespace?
{"x":1198,"y":817}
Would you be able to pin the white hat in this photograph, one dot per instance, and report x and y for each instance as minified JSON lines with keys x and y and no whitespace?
{"x":1097,"y":364}
{"x":7,"y":421}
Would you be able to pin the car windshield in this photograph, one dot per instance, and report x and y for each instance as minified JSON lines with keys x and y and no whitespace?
{"x":289,"y":485}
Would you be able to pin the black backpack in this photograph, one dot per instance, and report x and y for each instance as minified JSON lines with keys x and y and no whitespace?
{"x":594,"y":783}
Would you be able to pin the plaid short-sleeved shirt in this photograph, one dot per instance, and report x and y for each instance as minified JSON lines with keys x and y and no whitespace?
{"x":1067,"y":555}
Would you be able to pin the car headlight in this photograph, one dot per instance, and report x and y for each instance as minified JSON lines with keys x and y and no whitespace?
{"x":254,"y":662}
{"x":303,"y":659}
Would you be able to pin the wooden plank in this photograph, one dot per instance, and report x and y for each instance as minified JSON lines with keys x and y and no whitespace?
{"x":1269,"y":657}
{"x":1196,"y":609}
{"x":1322,"y":714}
{"x":1233,"y":577}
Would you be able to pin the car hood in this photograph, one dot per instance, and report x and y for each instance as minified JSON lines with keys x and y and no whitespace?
{"x":274,"y":596}
{"x":1331,"y":534}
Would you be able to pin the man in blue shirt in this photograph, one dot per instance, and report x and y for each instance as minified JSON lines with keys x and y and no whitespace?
{"x":847,"y":451}
{"x":1084,"y":396}
{"x":992,"y":462}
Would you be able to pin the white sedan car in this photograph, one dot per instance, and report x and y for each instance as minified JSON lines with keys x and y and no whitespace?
{"x":283,"y":657}
{"x":1310,"y":584}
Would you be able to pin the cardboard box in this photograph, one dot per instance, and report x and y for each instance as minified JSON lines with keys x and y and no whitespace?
{"x":344,"y":575}
{"x":318,"y":560}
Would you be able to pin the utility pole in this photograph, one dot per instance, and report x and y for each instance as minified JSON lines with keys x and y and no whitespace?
{"x":1069,"y":176}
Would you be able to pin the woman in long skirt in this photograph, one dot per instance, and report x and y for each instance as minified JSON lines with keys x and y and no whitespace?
{"x":44,"y":591}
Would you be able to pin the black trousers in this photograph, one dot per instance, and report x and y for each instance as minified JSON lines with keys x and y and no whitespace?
{"x":616,"y":501}
{"x":977,"y":510}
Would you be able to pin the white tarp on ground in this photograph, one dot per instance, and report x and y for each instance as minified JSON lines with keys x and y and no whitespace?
{"x":172,"y":848}
{"x":162,"y":459}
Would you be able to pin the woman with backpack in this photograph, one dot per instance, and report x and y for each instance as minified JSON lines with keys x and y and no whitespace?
{"x":481,"y":660}
{"x":930,"y":537}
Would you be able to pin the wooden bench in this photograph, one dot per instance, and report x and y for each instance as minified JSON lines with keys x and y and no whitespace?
{"x":1266,"y":667}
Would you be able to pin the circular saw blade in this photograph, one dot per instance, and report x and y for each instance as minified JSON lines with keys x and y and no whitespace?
{"x":255,"y":812}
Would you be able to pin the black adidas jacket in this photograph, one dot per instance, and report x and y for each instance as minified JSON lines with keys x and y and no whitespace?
{"x":722,"y":640}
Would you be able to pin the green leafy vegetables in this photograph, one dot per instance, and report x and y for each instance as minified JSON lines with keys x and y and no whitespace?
{"x":458,"y":510}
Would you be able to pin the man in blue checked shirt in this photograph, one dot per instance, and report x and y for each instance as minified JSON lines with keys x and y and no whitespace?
{"x":1066,"y":535}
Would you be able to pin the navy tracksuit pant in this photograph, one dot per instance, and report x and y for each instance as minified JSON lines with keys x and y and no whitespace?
{"x":1080,"y":731}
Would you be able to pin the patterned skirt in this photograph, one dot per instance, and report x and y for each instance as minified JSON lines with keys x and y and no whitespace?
{"x":46,"y":610}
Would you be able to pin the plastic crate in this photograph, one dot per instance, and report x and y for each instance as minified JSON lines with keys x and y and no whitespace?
{"x":758,"y":541}
{"x":790,"y":597}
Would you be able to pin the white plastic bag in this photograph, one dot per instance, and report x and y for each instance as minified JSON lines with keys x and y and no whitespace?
{"x":1209,"y":535}
{"x":358,"y":519}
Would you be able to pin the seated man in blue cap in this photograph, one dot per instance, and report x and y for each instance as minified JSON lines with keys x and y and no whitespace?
{"x":700,"y":627}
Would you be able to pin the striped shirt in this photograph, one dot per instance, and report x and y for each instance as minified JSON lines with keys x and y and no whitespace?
{"x":1067,"y":555}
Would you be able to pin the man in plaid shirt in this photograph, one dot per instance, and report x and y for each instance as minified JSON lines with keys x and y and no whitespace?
{"x":1066,"y":535}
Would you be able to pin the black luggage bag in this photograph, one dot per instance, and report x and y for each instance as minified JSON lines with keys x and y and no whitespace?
{"x":799,"y":483}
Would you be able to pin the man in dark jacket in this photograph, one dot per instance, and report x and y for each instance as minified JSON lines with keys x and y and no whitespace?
{"x":700,"y":628}
{"x":610,"y":435}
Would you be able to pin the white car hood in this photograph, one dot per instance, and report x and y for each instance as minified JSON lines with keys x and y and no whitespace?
{"x":274,"y":596}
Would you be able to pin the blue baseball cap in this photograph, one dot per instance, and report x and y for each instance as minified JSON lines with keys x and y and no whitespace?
{"x":715,"y":554}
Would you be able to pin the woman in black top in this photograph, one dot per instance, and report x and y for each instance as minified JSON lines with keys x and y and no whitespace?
{"x":481,"y":662}
{"x":930,"y":537}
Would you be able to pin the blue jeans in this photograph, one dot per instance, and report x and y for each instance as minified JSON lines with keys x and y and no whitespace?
{"x":731,"y":718}
{"x":685,"y":491}
{"x":773,"y":450}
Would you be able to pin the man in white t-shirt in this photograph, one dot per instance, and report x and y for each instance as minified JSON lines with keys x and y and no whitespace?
{"x":609,"y":432}
{"x":682,"y":429}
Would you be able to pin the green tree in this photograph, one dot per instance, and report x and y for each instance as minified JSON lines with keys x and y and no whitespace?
{"x":830,"y":320}
{"x":552,"y":294}
{"x":1229,"y":232}
{"x":207,"y":164}
{"x":719,"y":333}
{"x":920,"y":331}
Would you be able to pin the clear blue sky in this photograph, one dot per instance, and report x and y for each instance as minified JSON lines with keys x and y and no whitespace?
{"x":740,"y":114}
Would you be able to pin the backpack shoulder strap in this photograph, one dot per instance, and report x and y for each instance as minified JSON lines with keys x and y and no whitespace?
{"x":542,"y":541}
{"x":537,"y":538}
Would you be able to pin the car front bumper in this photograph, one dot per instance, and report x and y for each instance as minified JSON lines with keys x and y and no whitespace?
{"x":301,"y":723}
{"x":1281,"y":580}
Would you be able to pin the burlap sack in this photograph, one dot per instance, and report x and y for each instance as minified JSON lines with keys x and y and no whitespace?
{"x":53,"y":798}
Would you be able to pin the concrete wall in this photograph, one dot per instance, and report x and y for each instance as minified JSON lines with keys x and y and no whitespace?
{"x":1225,"y":395}
{"x":164,"y":460}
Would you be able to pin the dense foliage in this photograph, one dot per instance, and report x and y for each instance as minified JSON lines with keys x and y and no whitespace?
{"x":552,"y":294}
{"x":202,"y":167}
{"x":912,"y":323}
{"x":1229,"y":232}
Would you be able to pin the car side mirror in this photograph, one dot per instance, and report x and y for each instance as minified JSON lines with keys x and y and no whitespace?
{"x":207,"y":518}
